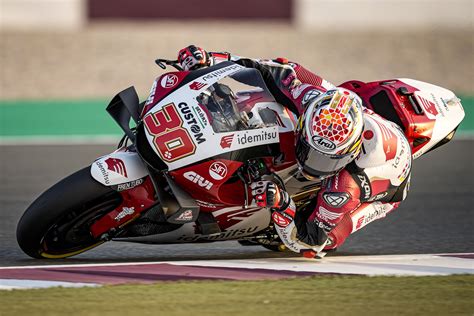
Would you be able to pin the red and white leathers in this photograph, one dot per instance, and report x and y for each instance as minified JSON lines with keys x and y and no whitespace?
{"x":367,"y":189}
{"x":370,"y":187}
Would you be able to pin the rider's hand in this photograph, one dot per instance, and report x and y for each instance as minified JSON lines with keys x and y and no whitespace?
{"x":267,"y":194}
{"x":192,"y":58}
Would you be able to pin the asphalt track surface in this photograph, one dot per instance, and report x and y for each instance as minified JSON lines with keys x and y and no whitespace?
{"x":437,"y":217}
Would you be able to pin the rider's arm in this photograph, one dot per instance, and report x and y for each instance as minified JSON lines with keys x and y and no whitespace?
{"x":290,"y":83}
{"x":339,"y":195}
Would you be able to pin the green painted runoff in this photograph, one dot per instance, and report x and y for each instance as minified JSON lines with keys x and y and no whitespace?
{"x":88,"y":117}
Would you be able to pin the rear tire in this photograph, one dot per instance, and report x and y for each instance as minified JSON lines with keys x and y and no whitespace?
{"x":57,"y":223}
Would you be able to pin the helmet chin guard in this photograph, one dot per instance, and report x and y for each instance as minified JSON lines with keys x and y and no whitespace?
{"x":329,"y":133}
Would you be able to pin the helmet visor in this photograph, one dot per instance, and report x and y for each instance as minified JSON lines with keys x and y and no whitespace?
{"x":317,"y":164}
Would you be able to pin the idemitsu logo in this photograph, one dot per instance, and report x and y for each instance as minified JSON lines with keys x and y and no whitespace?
{"x":226,"y":141}
{"x":257,"y":138}
{"x":116,"y":165}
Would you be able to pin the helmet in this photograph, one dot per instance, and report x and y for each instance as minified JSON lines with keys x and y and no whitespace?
{"x":329,"y":133}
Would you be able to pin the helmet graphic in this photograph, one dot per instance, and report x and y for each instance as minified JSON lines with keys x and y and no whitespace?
{"x":329,"y":133}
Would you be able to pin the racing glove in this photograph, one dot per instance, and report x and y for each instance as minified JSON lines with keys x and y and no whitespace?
{"x":268,"y":194}
{"x":192,"y":58}
{"x":298,"y":235}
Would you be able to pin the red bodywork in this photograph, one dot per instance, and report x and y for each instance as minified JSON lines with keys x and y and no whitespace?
{"x":134,"y":202}
{"x":213,"y":183}
{"x":416,"y":126}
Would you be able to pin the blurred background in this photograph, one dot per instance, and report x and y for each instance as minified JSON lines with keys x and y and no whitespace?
{"x":77,"y":54}
{"x":61,"y":61}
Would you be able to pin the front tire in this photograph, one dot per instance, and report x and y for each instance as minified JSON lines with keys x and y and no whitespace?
{"x":57,"y":224}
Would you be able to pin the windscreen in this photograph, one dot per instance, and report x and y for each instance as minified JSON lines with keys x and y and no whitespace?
{"x":230,"y":103}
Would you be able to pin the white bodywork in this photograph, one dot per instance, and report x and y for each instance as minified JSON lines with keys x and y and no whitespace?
{"x":440,"y":104}
{"x":236,"y":139}
{"x":255,"y":220}
{"x":449,"y":115}
{"x":117,"y":168}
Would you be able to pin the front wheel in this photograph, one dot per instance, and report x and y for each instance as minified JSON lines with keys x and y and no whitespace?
{"x":57,"y":224}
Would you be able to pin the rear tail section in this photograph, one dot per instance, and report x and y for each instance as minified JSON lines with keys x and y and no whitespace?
{"x":428,"y":114}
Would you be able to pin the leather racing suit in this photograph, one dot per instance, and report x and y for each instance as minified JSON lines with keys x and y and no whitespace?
{"x":367,"y":189}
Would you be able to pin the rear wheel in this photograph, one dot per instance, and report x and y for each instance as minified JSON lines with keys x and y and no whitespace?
{"x":57,"y":224}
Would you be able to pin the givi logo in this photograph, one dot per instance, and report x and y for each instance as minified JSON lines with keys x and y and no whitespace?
{"x":199,"y":180}
{"x":169,"y":81}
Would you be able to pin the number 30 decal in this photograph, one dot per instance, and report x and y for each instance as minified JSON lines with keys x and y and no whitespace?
{"x":171,"y":140}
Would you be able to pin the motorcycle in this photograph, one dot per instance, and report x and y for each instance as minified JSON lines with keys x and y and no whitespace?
{"x":196,"y":144}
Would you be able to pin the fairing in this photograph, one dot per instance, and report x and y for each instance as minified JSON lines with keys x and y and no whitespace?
{"x":428,"y":114}
{"x":121,"y":170}
{"x":224,"y":110}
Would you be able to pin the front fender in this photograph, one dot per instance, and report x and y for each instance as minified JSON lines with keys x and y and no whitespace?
{"x":121,"y":170}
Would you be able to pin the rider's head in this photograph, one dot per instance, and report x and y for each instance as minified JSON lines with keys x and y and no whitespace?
{"x":329,"y":133}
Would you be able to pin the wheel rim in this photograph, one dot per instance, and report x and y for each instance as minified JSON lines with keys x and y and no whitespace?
{"x":70,"y":234}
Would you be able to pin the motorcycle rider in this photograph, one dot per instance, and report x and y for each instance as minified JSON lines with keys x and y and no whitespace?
{"x":361,"y":160}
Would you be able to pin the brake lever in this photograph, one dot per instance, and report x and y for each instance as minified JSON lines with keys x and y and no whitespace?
{"x":163,"y":62}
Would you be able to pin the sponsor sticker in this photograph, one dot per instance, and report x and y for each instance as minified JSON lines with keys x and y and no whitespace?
{"x":218,"y":170}
{"x":378,"y":197}
{"x":197,"y":179}
{"x":428,"y":106}
{"x":311,"y":94}
{"x":389,"y":141}
{"x":116,"y":165}
{"x":125,"y":212}
{"x":360,"y":221}
{"x":323,"y":144}
{"x":104,"y":172}
{"x":280,"y":220}
{"x":227,"y":234}
{"x":226,"y":141}
{"x":192,"y":121}
{"x":185,"y":216}
{"x":201,"y":115}
{"x":364,"y":183}
{"x":289,"y":80}
{"x":327,"y":215}
{"x":196,"y":85}
{"x":296,"y":92}
{"x":261,"y":137}
{"x":376,"y":211}
{"x":169,"y":81}
{"x":336,"y":199}
{"x":128,"y":185}
{"x":151,"y":97}
{"x":217,"y":74}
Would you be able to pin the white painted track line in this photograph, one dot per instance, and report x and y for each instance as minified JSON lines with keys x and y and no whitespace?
{"x":418,"y":264}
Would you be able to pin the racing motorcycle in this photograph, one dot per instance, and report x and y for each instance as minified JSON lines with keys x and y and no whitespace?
{"x":182,"y":172}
